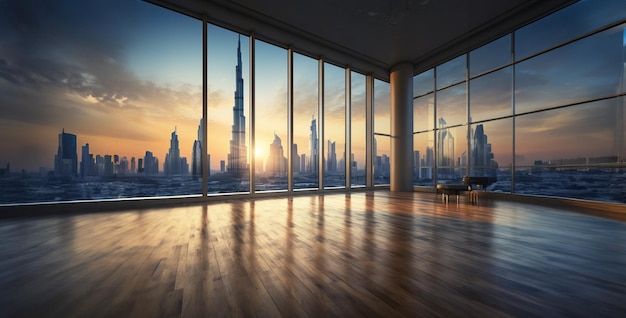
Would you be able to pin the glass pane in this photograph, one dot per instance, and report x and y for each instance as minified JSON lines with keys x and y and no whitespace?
{"x":357,"y":128}
{"x":424,"y":113}
{"x":491,"y":152}
{"x":423,"y":159}
{"x":305,"y":122}
{"x":451,"y":153}
{"x":575,"y":20}
{"x":382,"y":164}
{"x":568,"y":152}
{"x":490,"y":56}
{"x":382,"y":125}
{"x":590,"y":68}
{"x":451,"y":106}
{"x":228,"y":65}
{"x":424,"y":83}
{"x":270,"y":117}
{"x":451,"y":72}
{"x":88,"y":102}
{"x":334,"y":126}
{"x":382,"y":108}
{"x":490,"y":95}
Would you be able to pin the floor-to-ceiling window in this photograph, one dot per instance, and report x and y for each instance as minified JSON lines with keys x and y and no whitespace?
{"x":357,"y":129}
{"x":545,"y":108}
{"x":305,"y":154}
{"x":334,"y":126}
{"x":228,"y":111}
{"x":271,"y":111}
{"x":451,"y":120}
{"x":122,"y":117}
{"x":98,"y":110}
{"x":490,"y":110}
{"x":382,"y":133}
{"x":424,"y":129}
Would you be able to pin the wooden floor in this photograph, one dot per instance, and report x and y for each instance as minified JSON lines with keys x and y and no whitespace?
{"x":339,"y":255}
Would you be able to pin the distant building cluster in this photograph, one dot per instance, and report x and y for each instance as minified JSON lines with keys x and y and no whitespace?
{"x":114,"y":165}
{"x":382,"y":164}
{"x":580,"y":163}
{"x":276,"y":163}
{"x":66,"y":161}
{"x":450,"y":166}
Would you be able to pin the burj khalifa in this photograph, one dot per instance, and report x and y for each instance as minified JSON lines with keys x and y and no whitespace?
{"x":237,"y":158}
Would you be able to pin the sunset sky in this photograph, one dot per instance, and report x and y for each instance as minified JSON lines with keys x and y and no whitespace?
{"x":122,"y":75}
{"x":123,"y":87}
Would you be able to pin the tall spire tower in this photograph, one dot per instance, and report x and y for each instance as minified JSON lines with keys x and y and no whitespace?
{"x":237,"y":162}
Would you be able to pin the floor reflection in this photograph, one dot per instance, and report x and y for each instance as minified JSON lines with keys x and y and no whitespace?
{"x":343,"y":255}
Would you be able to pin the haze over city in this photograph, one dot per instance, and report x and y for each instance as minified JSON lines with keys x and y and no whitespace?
{"x":123,"y":87}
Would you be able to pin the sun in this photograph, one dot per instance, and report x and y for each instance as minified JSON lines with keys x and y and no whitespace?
{"x":258,"y":152}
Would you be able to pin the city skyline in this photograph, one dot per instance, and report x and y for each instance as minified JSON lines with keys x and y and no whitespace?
{"x":143,"y":76}
{"x":68,"y":163}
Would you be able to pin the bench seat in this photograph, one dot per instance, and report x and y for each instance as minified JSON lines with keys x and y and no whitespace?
{"x":447,"y":189}
{"x":470,"y":185}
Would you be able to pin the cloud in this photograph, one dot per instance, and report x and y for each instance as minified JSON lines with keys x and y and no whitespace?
{"x":490,"y":95}
{"x":60,"y":68}
{"x":583,"y":130}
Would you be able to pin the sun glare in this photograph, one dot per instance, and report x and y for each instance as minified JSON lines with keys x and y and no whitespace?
{"x":258,"y":152}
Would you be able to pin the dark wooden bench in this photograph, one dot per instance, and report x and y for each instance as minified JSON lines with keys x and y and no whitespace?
{"x":470,"y":185}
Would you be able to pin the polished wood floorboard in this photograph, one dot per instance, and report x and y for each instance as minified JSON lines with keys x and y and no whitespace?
{"x":373,"y":254}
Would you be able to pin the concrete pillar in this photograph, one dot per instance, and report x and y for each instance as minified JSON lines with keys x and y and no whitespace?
{"x":401,"y":81}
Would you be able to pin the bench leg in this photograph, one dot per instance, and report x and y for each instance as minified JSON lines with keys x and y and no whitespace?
{"x":473,"y":196}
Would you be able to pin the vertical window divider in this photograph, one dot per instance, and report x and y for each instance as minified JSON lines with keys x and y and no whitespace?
{"x":348,"y":135}
{"x":369,"y":131}
{"x":252,"y":164}
{"x":513,"y":63}
{"x":435,"y":130}
{"x":468,"y":118}
{"x":205,"y":120}
{"x":290,"y":120}
{"x":320,"y":125}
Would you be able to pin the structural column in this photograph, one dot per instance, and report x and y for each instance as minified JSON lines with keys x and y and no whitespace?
{"x":401,"y":81}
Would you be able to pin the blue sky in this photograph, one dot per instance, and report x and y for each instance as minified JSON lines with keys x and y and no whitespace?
{"x":122,"y":87}
{"x":122,"y":74}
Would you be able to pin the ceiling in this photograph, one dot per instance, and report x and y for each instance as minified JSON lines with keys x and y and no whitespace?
{"x":372,"y":36}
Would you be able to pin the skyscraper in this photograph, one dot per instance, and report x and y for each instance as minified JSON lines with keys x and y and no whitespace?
{"x":108,"y":165}
{"x":429,"y":163}
{"x":237,"y":158}
{"x":312,"y":165}
{"x":482,"y":159}
{"x":196,"y":155}
{"x":332,"y":157}
{"x":151,"y":163}
{"x":87,"y":164}
{"x":122,"y":169}
{"x":295,"y":158}
{"x":276,"y":165}
{"x":417,"y":171}
{"x":174,"y":164}
{"x":66,"y":159}
{"x":445,"y":151}
{"x":303,"y":163}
